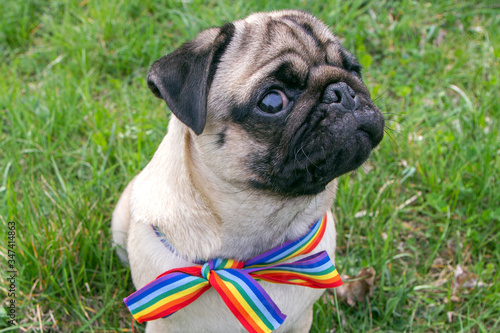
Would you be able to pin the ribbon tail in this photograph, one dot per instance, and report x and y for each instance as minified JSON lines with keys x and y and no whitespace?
{"x":247,"y":300}
{"x":165,"y":295}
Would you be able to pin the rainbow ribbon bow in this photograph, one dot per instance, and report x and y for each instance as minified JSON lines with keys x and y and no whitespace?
{"x":235,"y":281}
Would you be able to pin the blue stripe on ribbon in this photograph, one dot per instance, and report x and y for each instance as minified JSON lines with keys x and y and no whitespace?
{"x":303,"y":269}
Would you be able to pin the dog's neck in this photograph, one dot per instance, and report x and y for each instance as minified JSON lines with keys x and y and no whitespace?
{"x":227,"y":221}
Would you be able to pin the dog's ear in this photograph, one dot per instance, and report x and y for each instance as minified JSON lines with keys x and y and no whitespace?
{"x":183,"y":77}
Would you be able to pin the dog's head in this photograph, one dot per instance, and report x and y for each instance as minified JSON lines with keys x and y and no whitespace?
{"x":273,"y":101}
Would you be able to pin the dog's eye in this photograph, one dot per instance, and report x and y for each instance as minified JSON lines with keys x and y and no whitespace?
{"x":273,"y":102}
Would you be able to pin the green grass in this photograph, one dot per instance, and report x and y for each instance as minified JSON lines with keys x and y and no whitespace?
{"x":77,"y":122}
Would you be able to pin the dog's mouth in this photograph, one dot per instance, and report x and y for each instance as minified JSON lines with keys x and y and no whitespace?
{"x":329,"y":143}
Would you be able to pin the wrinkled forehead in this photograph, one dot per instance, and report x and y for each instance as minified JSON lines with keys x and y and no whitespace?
{"x":264,"y":43}
{"x":291,"y":30}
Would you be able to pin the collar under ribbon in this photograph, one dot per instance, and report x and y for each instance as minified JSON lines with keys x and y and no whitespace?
{"x":235,"y":281}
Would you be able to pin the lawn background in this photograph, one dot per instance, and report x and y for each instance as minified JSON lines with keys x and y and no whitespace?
{"x":78,"y":122}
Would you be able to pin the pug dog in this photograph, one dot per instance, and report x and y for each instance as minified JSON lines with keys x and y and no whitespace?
{"x":267,"y":112}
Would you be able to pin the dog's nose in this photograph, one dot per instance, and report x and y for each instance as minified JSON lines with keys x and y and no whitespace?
{"x":341,"y":95}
